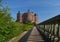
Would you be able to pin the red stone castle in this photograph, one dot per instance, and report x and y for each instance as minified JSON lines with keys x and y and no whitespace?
{"x":28,"y":16}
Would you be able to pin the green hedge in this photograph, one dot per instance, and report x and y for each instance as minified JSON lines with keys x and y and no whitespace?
{"x":9,"y":28}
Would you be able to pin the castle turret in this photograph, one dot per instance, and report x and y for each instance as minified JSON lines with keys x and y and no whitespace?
{"x":29,"y":14}
{"x":36,"y":18}
{"x":19,"y":17}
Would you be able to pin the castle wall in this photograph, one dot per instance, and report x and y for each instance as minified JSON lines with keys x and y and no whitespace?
{"x":32,"y":17}
{"x":20,"y":20}
{"x":27,"y":16}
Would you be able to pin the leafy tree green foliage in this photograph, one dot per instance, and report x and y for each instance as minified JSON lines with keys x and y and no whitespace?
{"x":28,"y":25}
{"x":9,"y":28}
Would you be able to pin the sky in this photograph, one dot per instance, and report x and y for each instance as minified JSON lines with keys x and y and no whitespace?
{"x":45,"y":9}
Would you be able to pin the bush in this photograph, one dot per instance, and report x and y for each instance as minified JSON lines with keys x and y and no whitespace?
{"x":9,"y":28}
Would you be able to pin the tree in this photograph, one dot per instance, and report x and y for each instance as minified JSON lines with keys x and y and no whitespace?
{"x":9,"y":28}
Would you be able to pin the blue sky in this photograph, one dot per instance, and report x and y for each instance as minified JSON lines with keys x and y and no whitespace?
{"x":45,"y":9}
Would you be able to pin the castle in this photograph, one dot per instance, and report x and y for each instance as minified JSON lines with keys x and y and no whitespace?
{"x":27,"y":16}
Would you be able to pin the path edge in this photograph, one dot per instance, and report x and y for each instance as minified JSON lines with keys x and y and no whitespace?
{"x":18,"y":37}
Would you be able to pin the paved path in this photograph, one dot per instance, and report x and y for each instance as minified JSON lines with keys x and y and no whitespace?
{"x":35,"y":36}
{"x":31,"y":36}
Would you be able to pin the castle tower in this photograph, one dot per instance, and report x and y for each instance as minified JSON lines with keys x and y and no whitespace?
{"x":30,"y":16}
{"x":33,"y":18}
{"x":19,"y":17}
{"x":36,"y":19}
